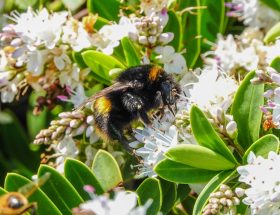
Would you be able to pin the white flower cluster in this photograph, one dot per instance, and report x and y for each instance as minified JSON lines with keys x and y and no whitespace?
{"x":156,"y":143}
{"x":35,"y":52}
{"x":251,"y":12}
{"x":123,"y":203}
{"x":263,"y":178}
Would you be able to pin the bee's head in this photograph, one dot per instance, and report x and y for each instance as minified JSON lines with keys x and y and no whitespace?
{"x":169,"y":91}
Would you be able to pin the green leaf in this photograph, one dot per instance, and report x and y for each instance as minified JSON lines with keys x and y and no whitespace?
{"x":14,"y":181}
{"x":212,"y":186}
{"x":212,"y":19}
{"x":24,"y":4}
{"x":60,"y":190}
{"x":78,"y":58}
{"x":192,"y":34}
{"x":131,"y":55}
{"x":15,"y":144}
{"x":181,"y":173}
{"x":35,"y":123}
{"x":174,"y":26}
{"x":100,"y":63}
{"x":263,"y":146}
{"x":275,"y":64}
{"x":273,"y":4}
{"x":108,"y":9}
{"x":199,"y":157}
{"x":183,"y":191}
{"x":150,"y":189}
{"x":80,"y":175}
{"x":169,"y":194}
{"x":3,"y":191}
{"x":246,"y":110}
{"x":106,"y":170}
{"x":206,"y":136}
{"x":272,"y":34}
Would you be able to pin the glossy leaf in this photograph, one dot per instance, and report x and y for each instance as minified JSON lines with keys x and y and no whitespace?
{"x":273,"y":4}
{"x":15,"y":144}
{"x":80,"y":175}
{"x":60,"y":190}
{"x":263,"y":146}
{"x":106,"y":170}
{"x":108,"y":9}
{"x":212,"y":19}
{"x":131,"y":55}
{"x":24,"y":4}
{"x":192,"y":34}
{"x":246,"y":110}
{"x":173,"y":25}
{"x":183,"y":191}
{"x":199,"y":157}
{"x":150,"y":189}
{"x":206,"y":136}
{"x":169,"y":194}
{"x":181,"y":173}
{"x":2,"y":191}
{"x":100,"y":63}
{"x":14,"y":181}
{"x":275,"y":64}
{"x":212,"y":186}
{"x":273,"y":33}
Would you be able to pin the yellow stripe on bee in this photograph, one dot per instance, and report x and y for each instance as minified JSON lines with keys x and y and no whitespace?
{"x":103,"y":105}
{"x":154,"y":72}
{"x":101,"y":134}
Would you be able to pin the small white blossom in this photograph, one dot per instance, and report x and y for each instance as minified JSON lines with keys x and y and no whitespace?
{"x":39,"y":28}
{"x":263,"y":178}
{"x":153,"y":6}
{"x":213,"y":90}
{"x":173,"y":62}
{"x":251,"y":12}
{"x":156,"y":143}
{"x":123,"y":203}
{"x":65,"y":148}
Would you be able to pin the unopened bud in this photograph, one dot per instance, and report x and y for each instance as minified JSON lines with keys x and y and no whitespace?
{"x":231,"y":129}
{"x":152,"y":40}
{"x":143,"y":40}
{"x":276,"y":78}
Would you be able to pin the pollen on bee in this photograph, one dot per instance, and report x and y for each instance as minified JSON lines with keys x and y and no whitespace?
{"x":155,"y":71}
{"x":103,"y":105}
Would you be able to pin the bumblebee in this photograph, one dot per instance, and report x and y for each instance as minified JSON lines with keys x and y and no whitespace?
{"x":136,"y":91}
{"x":16,"y":203}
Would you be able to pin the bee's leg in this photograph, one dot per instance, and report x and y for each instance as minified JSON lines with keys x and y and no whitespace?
{"x":158,"y":99}
{"x":118,"y":134}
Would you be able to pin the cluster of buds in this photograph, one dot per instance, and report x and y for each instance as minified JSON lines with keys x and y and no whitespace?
{"x":70,"y":124}
{"x":150,"y":31}
{"x":223,"y":200}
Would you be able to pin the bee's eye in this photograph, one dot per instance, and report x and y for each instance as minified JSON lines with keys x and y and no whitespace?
{"x":14,"y":202}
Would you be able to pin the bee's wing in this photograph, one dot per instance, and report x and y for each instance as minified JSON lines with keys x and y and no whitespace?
{"x":32,"y":186}
{"x":118,"y":86}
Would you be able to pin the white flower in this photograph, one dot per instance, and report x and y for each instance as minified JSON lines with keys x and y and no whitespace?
{"x":272,"y":51}
{"x":263,"y":178}
{"x":9,"y":92}
{"x":251,"y":12}
{"x":248,"y":59}
{"x":65,"y":148}
{"x":173,"y":62}
{"x":123,"y":203}
{"x":156,"y":143}
{"x":36,"y":61}
{"x":62,"y":61}
{"x":108,"y":36}
{"x":39,"y":28}
{"x":213,"y":90}
{"x":75,"y":34}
